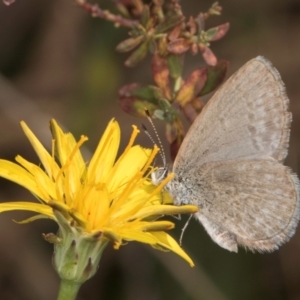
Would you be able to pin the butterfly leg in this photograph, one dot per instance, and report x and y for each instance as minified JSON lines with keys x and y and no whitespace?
{"x":219,"y":235}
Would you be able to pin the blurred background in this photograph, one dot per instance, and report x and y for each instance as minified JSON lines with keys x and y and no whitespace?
{"x":58,"y":62}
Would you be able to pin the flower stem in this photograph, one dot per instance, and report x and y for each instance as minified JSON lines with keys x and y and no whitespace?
{"x":68,"y":290}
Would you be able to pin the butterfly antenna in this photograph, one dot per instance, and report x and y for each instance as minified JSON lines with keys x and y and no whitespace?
{"x":183,"y":229}
{"x":148,"y":134}
{"x":162,"y":152}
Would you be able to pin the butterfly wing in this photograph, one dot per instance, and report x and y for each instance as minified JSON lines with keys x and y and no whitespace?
{"x":253,"y":203}
{"x":247,"y":118}
{"x":229,"y":163}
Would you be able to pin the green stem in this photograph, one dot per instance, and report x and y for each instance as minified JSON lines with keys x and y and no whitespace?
{"x":68,"y":290}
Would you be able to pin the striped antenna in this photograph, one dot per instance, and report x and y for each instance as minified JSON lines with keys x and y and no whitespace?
{"x":162,"y":152}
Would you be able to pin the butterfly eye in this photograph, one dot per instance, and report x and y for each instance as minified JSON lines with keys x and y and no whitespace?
{"x":159,"y":175}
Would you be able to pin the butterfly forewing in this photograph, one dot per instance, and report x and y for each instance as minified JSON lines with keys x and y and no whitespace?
{"x":246,"y":118}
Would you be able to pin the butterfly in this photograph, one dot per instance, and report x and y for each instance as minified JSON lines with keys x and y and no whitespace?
{"x":230,"y":163}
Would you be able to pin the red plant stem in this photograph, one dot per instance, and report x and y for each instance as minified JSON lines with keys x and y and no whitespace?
{"x":95,"y":11}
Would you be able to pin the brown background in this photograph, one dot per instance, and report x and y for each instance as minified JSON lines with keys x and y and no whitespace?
{"x":57,"y":62}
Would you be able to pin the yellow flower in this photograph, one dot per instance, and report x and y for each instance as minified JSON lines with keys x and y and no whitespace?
{"x":108,"y":199}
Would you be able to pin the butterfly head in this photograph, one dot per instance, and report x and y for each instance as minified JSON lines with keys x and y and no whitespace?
{"x":159,"y":175}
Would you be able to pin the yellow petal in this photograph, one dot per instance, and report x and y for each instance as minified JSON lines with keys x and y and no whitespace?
{"x":127,"y":167}
{"x":164,"y":210}
{"x":94,"y":204}
{"x":168,"y":242}
{"x":44,"y":184}
{"x":66,"y":147}
{"x":19,"y":175}
{"x":137,"y":235}
{"x":155,"y":226}
{"x":29,"y":206}
{"x":49,"y":164}
{"x":105,"y":154}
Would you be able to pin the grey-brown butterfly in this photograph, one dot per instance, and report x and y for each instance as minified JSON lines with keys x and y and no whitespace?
{"x":230,"y":163}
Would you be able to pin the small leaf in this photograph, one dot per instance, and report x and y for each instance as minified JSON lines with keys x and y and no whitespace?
{"x":145,"y":15}
{"x":164,"y":104}
{"x":208,"y":55}
{"x":169,"y":23}
{"x":216,"y":33}
{"x":194,"y":48}
{"x":134,"y":105}
{"x":122,"y":9}
{"x":159,"y":114}
{"x":170,"y":113}
{"x":160,"y":72}
{"x":175,"y":133}
{"x":150,"y":24}
{"x":152,"y":46}
{"x":179,"y":46}
{"x":215,"y":9}
{"x":215,"y":76}
{"x":138,"y":55}
{"x":175,"y":63}
{"x":190,"y":112}
{"x":197,"y":104}
{"x":192,"y":86}
{"x":162,"y":47}
{"x":137,"y":107}
{"x":150,"y":93}
{"x":210,"y":33}
{"x":174,"y":34}
{"x":171,"y":132}
{"x":192,"y":26}
{"x":175,"y":145}
{"x":129,"y":44}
